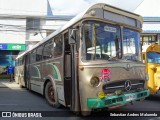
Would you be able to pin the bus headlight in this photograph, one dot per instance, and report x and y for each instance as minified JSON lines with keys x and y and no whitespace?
{"x":147,"y":76}
{"x":94,"y":81}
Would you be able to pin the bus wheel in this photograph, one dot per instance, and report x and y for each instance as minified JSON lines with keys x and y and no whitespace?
{"x":85,"y":113}
{"x":20,"y":85}
{"x":50,"y":95}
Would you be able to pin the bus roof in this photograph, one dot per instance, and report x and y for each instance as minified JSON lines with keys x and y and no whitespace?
{"x":85,"y":14}
{"x":151,"y":48}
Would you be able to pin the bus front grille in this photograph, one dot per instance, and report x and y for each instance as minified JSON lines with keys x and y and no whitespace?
{"x":120,"y":85}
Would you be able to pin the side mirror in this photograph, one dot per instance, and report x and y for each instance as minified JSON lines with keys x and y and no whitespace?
{"x":72,"y":36}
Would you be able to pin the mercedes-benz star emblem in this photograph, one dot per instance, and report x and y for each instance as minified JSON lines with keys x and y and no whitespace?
{"x":128,"y":85}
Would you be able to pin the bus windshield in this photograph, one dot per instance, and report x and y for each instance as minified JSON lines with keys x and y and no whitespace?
{"x":130,"y":44}
{"x":102,"y":41}
{"x":153,"y":57}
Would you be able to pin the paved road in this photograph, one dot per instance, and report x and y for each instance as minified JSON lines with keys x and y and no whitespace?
{"x":13,"y":98}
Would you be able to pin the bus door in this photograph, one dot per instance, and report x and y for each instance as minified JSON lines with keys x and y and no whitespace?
{"x":26,"y":73}
{"x":67,"y":70}
{"x":73,"y":41}
{"x":70,"y":72}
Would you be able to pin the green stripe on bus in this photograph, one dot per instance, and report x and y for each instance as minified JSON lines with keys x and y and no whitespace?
{"x":38,"y":75}
{"x":56,"y":73}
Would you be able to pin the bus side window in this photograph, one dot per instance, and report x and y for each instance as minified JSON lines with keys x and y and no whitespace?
{"x":57,"y":46}
{"x":39,"y":54}
{"x":33,"y":58}
{"x":67,"y":46}
{"x":47,"y":50}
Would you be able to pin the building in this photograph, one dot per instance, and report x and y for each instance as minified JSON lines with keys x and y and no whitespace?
{"x":149,"y":10}
{"x":23,"y":24}
{"x":151,"y":31}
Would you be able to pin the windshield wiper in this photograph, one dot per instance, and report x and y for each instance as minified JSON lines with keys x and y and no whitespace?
{"x":129,"y":57}
{"x":115,"y":57}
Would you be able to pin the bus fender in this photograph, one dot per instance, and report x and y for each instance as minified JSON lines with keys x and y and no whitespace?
{"x":49,"y":78}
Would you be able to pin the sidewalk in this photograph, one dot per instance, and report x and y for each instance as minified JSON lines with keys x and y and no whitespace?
{"x":5,"y":83}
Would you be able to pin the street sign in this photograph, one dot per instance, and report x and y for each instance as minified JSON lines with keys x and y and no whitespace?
{"x":12,"y":47}
{"x":16,"y":47}
{"x":3,"y":46}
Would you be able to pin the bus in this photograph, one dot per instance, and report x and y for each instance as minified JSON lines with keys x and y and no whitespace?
{"x":151,"y":57}
{"x":92,"y":62}
{"x":19,"y":71}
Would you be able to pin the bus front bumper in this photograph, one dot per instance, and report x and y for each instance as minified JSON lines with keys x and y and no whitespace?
{"x":122,"y":99}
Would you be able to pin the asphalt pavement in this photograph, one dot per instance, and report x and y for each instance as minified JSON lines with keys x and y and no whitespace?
{"x":14,"y":98}
{"x":5,"y":83}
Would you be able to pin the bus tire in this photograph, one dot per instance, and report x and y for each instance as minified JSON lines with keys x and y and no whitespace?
{"x":85,"y":113}
{"x":20,"y":85}
{"x":51,"y":95}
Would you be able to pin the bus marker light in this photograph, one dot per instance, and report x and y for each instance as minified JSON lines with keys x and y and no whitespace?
{"x":101,"y":95}
{"x":105,"y":75}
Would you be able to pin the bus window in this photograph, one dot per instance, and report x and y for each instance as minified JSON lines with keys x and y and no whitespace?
{"x":39,"y":54}
{"x":153,"y":57}
{"x":58,"y":46}
{"x":48,"y":50}
{"x":67,"y":46}
{"x":101,"y":41}
{"x":23,"y":60}
{"x":130,"y":42}
{"x":33,"y":58}
{"x":20,"y":61}
{"x":16,"y":63}
{"x":27,"y":59}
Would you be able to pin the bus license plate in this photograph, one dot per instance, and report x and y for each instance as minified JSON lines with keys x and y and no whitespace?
{"x":131,"y":97}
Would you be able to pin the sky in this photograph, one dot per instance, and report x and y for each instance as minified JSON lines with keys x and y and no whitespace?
{"x":73,"y":7}
{"x":149,"y":8}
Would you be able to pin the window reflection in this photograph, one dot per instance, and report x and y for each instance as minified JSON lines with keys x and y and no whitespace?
{"x":131,"y":44}
{"x":153,"y":57}
{"x":101,"y":41}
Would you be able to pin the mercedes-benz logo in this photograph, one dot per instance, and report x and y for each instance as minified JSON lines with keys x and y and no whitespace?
{"x":128,"y":85}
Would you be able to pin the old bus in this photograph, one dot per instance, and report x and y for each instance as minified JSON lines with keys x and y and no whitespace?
{"x":19,"y":71}
{"x":92,"y":62}
{"x":151,"y":57}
